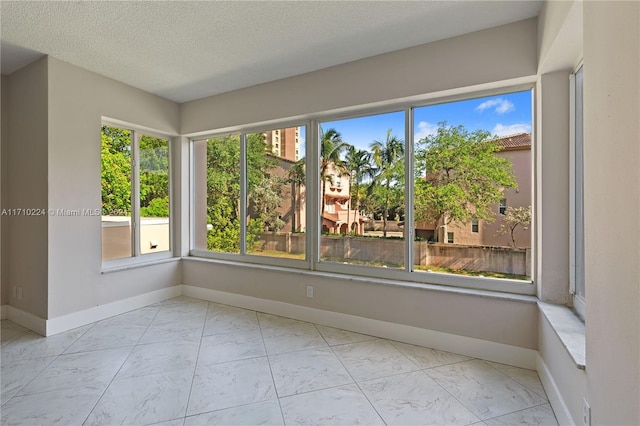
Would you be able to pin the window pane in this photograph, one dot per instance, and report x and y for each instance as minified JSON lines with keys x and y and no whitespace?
{"x":472,"y":161}
{"x":154,"y":194}
{"x":116,"y":193}
{"x":362,"y":191}
{"x":276,"y":193}
{"x":217,"y":194}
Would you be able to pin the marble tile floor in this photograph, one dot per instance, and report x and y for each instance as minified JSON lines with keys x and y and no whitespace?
{"x":189,"y":362}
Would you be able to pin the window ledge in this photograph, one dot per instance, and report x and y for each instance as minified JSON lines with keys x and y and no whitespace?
{"x":376,"y":281}
{"x":135,"y":265}
{"x":569,"y":328}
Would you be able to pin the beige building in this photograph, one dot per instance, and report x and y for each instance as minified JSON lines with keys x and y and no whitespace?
{"x":517,"y":149}
{"x":337,"y":216}
{"x":284,"y":143}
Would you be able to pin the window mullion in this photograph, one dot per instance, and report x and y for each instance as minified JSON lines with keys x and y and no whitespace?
{"x":314,"y":215}
{"x":408,"y":190}
{"x":135,"y":193}
{"x":243,"y":194}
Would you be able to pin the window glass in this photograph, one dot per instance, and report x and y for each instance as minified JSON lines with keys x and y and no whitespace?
{"x":470,"y":157}
{"x":362,"y":190}
{"x":276,"y":191}
{"x":154,"y":194}
{"x":217,"y":194}
{"x":116,"y":165}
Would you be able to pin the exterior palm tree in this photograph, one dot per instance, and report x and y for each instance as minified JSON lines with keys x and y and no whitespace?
{"x":296,"y":176}
{"x":358,"y":163}
{"x":331,"y":147}
{"x":387,"y":157}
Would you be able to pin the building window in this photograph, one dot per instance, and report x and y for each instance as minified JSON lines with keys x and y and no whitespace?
{"x":248,"y":202}
{"x":577,"y":199}
{"x":362,"y":161}
{"x":135,"y":194}
{"x":374,"y":206}
{"x":503,"y":206}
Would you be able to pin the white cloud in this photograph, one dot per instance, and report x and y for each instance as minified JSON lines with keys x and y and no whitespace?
{"x":501,"y":106}
{"x":425,"y":129}
{"x":511,"y":129}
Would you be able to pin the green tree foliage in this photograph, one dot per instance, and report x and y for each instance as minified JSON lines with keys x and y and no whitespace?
{"x":223,"y":191}
{"x":154,"y":177}
{"x":514,"y":217}
{"x":331,"y":148}
{"x":116,"y":171}
{"x":459,"y":177}
{"x":296,"y":176}
{"x":358,"y":164}
{"x":388,"y":178}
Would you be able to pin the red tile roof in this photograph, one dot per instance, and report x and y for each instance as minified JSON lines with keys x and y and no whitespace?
{"x":515,"y":142}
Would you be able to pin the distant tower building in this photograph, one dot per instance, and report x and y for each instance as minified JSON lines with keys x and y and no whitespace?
{"x":285,"y":143}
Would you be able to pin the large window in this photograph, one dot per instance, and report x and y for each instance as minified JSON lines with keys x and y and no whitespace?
{"x":250,"y":194}
{"x":416,"y":194}
{"x":362,"y":190}
{"x":135,"y":193}
{"x":577,"y":199}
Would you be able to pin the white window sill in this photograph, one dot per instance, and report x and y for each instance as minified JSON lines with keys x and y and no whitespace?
{"x":569,"y":329}
{"x":134,"y":265}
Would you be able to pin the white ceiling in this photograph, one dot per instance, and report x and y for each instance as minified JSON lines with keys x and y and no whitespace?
{"x":184,"y":50}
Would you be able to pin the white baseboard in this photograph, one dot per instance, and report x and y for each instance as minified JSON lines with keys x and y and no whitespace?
{"x":555,"y":397}
{"x":477,"y":348}
{"x":25,"y":319}
{"x":97,"y":313}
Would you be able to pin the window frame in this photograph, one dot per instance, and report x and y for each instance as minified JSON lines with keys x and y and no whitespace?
{"x":243,"y":256}
{"x":405,"y":276}
{"x":136,"y":256}
{"x":575,"y":264}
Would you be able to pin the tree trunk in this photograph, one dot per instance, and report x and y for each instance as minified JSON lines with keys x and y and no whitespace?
{"x":386,"y":212}
{"x":294,"y":207}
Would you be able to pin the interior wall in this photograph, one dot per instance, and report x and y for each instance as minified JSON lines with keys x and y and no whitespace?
{"x":27,"y":188}
{"x":487,"y":318}
{"x":504,"y":53}
{"x":612,"y":209}
{"x":4,"y":140}
{"x":501,"y":53}
{"x":570,"y":381}
{"x":77,"y":101}
{"x":552,"y":187}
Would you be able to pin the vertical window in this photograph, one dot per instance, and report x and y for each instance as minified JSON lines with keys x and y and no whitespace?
{"x":469,"y":157}
{"x":217,"y":188}
{"x":249,"y":197}
{"x":135,"y":194}
{"x":577,"y":201}
{"x":362,"y":190}
{"x":503,"y":205}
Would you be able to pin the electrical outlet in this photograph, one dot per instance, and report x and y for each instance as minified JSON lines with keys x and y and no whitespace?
{"x":586,"y":413}
{"x":310,"y":291}
{"x":19,"y":293}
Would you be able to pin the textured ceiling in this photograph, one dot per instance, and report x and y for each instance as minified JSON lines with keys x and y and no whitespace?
{"x":184,"y":50}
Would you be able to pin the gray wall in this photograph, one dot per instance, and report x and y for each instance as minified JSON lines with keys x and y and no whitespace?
{"x":612,"y":209}
{"x":26,"y":166}
{"x":464,"y":315}
{"x":504,"y":53}
{"x":4,"y":139}
{"x":77,"y":100}
{"x":497,"y":54}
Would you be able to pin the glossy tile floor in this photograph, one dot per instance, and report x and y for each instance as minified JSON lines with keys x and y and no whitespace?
{"x":190,"y":362}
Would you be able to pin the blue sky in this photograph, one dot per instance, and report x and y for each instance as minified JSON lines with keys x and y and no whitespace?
{"x":501,"y":115}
